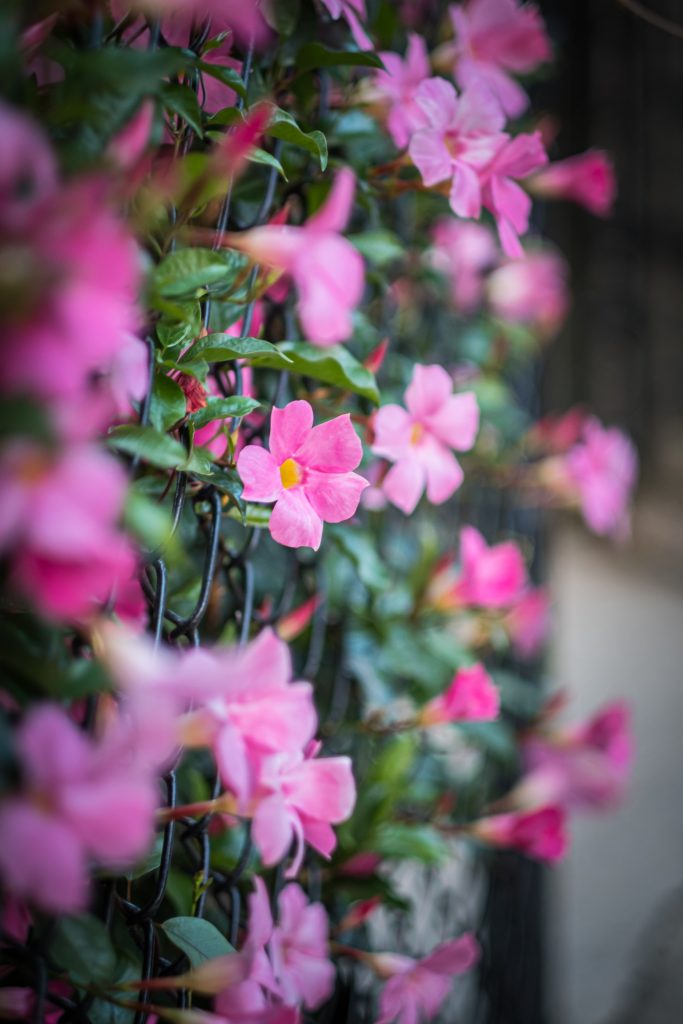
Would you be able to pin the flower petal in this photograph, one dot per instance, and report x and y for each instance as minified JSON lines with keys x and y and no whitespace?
{"x":333,"y":446}
{"x":288,"y":429}
{"x":404,"y":484}
{"x":294,"y":523}
{"x":456,"y":422}
{"x":444,"y":472}
{"x":429,"y":388}
{"x":260,"y":474}
{"x":392,"y":426}
{"x":272,"y":829}
{"x":334,"y":496}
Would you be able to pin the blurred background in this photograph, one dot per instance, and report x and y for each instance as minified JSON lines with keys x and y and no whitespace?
{"x":614,"y":926}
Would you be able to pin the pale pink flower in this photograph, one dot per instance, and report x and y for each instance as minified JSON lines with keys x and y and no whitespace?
{"x":249,"y":996}
{"x":458,"y":140}
{"x":299,"y":950}
{"x":419,"y":440}
{"x":299,"y":798}
{"x":417,"y":989}
{"x":490,"y":577}
{"x":58,"y":523}
{"x":603,"y":467}
{"x":587,"y":179}
{"x":494,"y":38}
{"x":326,"y":269}
{"x":507,"y":201}
{"x":471,"y":697}
{"x":396,"y":87}
{"x":81,"y":800}
{"x":527,"y":622}
{"x":307,"y":473}
{"x":464,"y":252}
{"x":353,"y":12}
{"x":531,"y":291}
{"x":539,"y":833}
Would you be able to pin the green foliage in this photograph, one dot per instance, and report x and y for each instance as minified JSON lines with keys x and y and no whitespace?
{"x":197,"y":939}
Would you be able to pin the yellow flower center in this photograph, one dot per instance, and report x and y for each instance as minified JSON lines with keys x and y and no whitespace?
{"x":290,"y":473}
{"x":416,"y":432}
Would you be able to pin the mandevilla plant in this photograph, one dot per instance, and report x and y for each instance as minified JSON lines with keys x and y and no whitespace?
{"x":264,"y":268}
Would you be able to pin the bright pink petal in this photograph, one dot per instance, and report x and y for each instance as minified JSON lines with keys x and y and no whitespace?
{"x":260,"y":474}
{"x":332,"y":447}
{"x":465,"y":193}
{"x":333,"y":215}
{"x":272,"y":829}
{"x":323,"y":788}
{"x":41,"y":859}
{"x":330,"y":277}
{"x":114,"y":818}
{"x":334,"y":496}
{"x":288,"y":429}
{"x":294,"y":522}
{"x":431,"y":156}
{"x":404,"y":483}
{"x":52,"y":748}
{"x":320,"y":835}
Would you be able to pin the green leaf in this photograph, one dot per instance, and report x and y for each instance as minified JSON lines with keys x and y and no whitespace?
{"x":82,"y":947}
{"x":198,"y":939}
{"x":183,"y":272}
{"x":219,"y":348}
{"x":168,"y":403}
{"x":334,"y":365}
{"x":147,"y":520}
{"x":262,"y":156}
{"x":283,"y":16}
{"x":379,"y":247}
{"x":361,"y":551}
{"x":183,"y":101}
{"x":149,"y":444}
{"x":228,"y":76}
{"x":222,"y":408}
{"x":283,"y":126}
{"x":254,"y":515}
{"x":149,"y":863}
{"x":315,"y":55}
{"x":400,"y":841}
{"x":228,"y":482}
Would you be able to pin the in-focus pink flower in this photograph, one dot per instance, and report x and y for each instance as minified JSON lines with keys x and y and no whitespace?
{"x":307,"y":473}
{"x":353,"y":12}
{"x":471,"y":697}
{"x":587,"y":179}
{"x":81,"y":800}
{"x":326,"y":269}
{"x":540,"y":833}
{"x":491,"y":576}
{"x":299,"y":950}
{"x":299,"y":798}
{"x":603,"y":467}
{"x":532,"y":291}
{"x":528,"y":621}
{"x":396,"y":87}
{"x":419,"y":440}
{"x":464,"y":252}
{"x":507,"y":201}
{"x":417,"y":989}
{"x":459,"y":138}
{"x":494,"y":38}
{"x":58,"y":523}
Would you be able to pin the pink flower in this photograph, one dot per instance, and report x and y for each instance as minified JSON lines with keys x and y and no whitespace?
{"x":299,"y":950}
{"x":558,"y":433}
{"x":527,"y":622}
{"x":459,"y":138}
{"x":352,"y":11}
{"x":241,"y":17}
{"x":326,"y":269}
{"x":396,"y":86}
{"x":507,"y":201}
{"x":419,"y":441}
{"x":603,"y":468}
{"x":464,"y":252}
{"x":128,"y":145}
{"x":307,"y":473}
{"x":417,"y":989}
{"x":81,"y":800}
{"x":249,"y":996}
{"x":532,"y":291}
{"x":57,"y":521}
{"x":587,"y":179}
{"x":490,"y":577}
{"x":493,"y":38}
{"x":28,"y":170}
{"x":471,"y":697}
{"x":539,"y":833}
{"x":299,"y":798}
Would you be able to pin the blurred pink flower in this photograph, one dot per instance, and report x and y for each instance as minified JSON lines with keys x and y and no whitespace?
{"x":538,"y":833}
{"x":58,"y":522}
{"x":507,"y":201}
{"x":556,"y":434}
{"x":298,"y":619}
{"x":531,"y":291}
{"x":603,"y":467}
{"x":419,"y":440}
{"x":396,"y":86}
{"x":587,"y":179}
{"x":527,"y":622}
{"x":81,"y":800}
{"x":417,"y":989}
{"x":353,"y":12}
{"x":127,"y":146}
{"x":494,"y":38}
{"x":248,"y":997}
{"x":307,"y":473}
{"x":459,"y":138}
{"x":299,"y":798}
{"x":491,"y":576}
{"x":299,"y":950}
{"x":471,"y":697}
{"x":464,"y":252}
{"x":28,"y":171}
{"x":241,"y":18}
{"x":326,"y":269}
